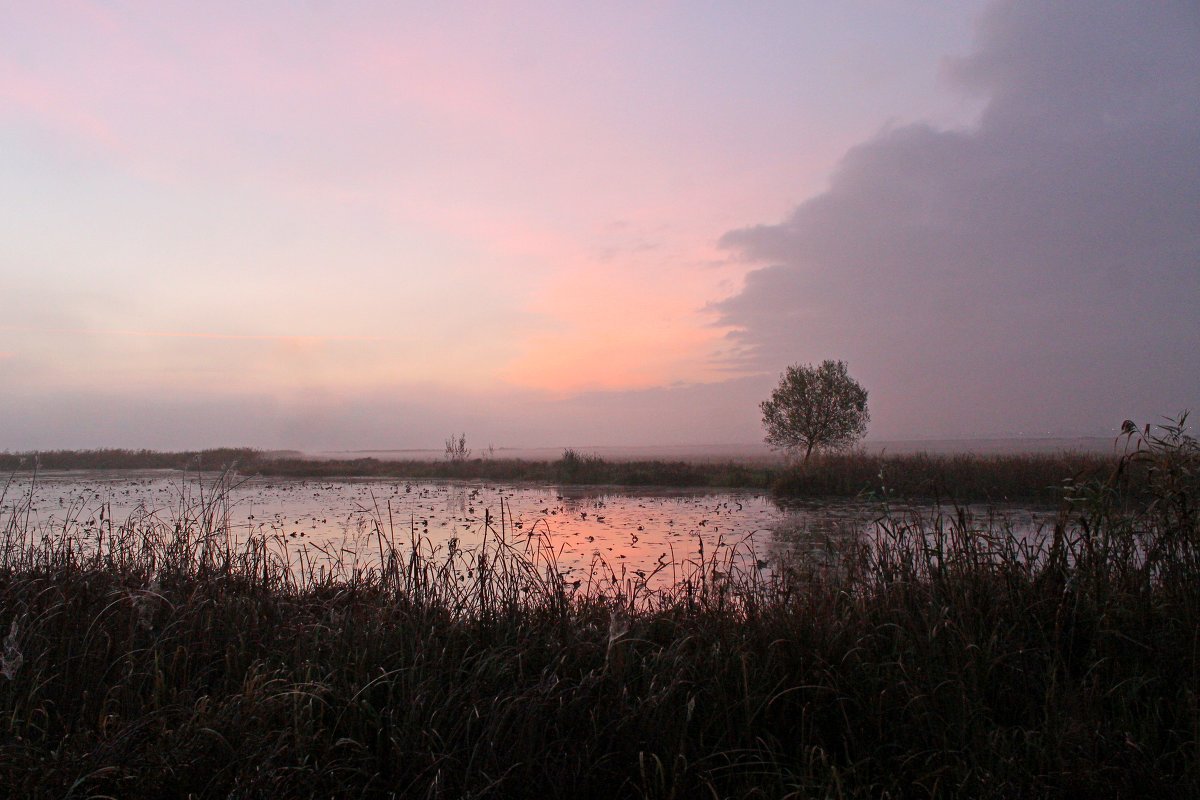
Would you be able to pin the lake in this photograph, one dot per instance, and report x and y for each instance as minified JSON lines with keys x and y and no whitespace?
{"x":590,"y":530}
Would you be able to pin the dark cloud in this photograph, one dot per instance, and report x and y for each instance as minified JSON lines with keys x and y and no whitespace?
{"x":1038,"y":272}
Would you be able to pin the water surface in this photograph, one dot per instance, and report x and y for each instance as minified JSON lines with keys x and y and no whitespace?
{"x":588,"y":529}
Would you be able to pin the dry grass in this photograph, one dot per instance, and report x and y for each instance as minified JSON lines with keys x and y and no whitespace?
{"x":940,"y":659}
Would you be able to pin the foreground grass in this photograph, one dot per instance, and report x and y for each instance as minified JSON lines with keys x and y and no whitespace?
{"x":965,"y":478}
{"x":939,"y":660}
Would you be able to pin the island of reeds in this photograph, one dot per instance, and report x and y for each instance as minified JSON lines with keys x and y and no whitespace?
{"x":965,"y":478}
{"x":941,"y":657}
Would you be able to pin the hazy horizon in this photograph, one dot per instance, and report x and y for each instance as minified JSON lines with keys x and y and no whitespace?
{"x":366,"y":227}
{"x":709,"y":451}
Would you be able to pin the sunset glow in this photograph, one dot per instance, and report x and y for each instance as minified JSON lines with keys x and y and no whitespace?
{"x":268,"y":214}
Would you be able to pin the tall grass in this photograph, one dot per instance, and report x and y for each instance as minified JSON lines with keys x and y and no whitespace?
{"x":572,"y":468}
{"x":938,"y":658}
{"x":964,"y":477}
{"x":960,"y":478}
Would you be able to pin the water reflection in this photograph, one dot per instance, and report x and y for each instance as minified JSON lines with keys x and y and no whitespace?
{"x":632,"y":532}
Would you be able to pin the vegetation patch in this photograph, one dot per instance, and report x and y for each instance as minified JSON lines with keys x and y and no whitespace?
{"x":966,"y":478}
{"x":939,"y":658}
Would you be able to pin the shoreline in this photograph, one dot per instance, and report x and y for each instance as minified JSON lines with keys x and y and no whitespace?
{"x":961,"y":477}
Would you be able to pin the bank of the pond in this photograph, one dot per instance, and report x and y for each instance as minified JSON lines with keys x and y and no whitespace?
{"x":964,"y":478}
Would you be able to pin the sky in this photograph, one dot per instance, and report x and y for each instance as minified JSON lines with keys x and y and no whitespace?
{"x":366,"y":225}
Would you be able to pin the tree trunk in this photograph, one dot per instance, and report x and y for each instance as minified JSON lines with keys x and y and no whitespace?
{"x":808,"y":452}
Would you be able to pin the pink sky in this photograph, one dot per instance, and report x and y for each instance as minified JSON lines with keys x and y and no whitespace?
{"x":279,"y":217}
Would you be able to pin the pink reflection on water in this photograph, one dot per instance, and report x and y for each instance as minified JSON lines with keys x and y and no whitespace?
{"x":588,"y":533}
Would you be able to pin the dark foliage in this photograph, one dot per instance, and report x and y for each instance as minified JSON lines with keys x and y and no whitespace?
{"x":962,"y":478}
{"x":942,"y":659}
{"x":955,"y":478}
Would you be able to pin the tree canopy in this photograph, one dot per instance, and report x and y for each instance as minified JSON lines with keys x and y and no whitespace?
{"x":816,"y":408}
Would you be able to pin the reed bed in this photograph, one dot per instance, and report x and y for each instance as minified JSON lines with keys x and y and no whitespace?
{"x":964,"y":478}
{"x":572,"y":468}
{"x":941,"y":657}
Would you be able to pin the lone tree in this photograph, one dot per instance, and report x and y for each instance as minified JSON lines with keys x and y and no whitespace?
{"x":816,"y":408}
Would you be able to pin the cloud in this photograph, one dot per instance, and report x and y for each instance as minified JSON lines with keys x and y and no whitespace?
{"x":1037,"y":272}
{"x":166,"y":334}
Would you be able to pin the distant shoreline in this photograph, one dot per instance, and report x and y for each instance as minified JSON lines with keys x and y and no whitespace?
{"x":962,"y":476}
{"x":752,"y":452}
